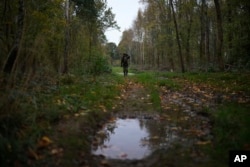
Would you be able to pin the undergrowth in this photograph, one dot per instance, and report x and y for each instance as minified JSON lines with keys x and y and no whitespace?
{"x":230,"y":130}
{"x":29,"y":113}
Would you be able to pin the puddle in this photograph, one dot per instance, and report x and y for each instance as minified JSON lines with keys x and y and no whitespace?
{"x":121,"y":73}
{"x":133,"y":138}
{"x":138,"y":136}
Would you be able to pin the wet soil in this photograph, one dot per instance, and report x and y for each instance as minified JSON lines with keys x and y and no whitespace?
{"x":176,"y":134}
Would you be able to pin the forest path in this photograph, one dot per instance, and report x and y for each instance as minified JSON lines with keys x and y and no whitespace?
{"x":176,"y":130}
{"x":176,"y":134}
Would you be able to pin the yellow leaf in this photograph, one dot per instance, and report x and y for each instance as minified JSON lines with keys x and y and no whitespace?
{"x":44,"y":142}
{"x":56,"y":151}
{"x":203,"y":142}
{"x":58,"y":102}
{"x":105,"y":163}
{"x":46,"y":139}
{"x":112,"y":119}
{"x":155,"y":137}
{"x":118,"y":97}
{"x":103,"y":108}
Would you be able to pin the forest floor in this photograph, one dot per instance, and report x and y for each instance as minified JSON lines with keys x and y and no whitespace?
{"x":190,"y":121}
{"x":183,"y":124}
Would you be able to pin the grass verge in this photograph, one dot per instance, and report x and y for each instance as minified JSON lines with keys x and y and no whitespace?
{"x":29,"y":113}
{"x":230,"y":130}
{"x":231,"y":120}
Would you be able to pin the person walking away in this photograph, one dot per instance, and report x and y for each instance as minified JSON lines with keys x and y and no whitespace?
{"x":124,"y":63}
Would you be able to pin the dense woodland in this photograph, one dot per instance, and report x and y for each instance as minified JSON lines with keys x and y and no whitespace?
{"x":53,"y":36}
{"x":190,"y":35}
{"x":63,"y":36}
{"x":41,"y":42}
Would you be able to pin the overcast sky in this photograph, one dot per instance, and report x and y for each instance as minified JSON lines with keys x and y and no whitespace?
{"x":125,"y":13}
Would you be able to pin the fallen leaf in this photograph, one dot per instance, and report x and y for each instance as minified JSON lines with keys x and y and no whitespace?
{"x":82,"y":113}
{"x":203,"y":142}
{"x":44,"y":142}
{"x":103,"y":108}
{"x":105,"y":163}
{"x":58,"y":102}
{"x":174,"y":128}
{"x":112,"y":119}
{"x":32,"y":154}
{"x":247,"y":146}
{"x":56,"y":151}
{"x":155,"y":137}
{"x":101,"y":133}
{"x":66,"y":116}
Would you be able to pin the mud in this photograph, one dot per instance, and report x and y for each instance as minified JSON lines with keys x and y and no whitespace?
{"x":175,"y":136}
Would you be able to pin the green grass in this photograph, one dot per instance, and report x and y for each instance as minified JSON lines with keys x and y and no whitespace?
{"x":230,"y":130}
{"x":154,"y":80}
{"x":117,"y":69}
{"x":27,"y":115}
{"x":150,"y":82}
{"x":231,"y":121}
{"x":226,"y":81}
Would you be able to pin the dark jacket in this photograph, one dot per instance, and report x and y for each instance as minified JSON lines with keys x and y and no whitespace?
{"x":124,"y":61}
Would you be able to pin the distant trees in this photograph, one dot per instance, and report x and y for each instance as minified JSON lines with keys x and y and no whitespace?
{"x":113,"y":53}
{"x":58,"y":36}
{"x":190,"y":35}
{"x":219,"y":35}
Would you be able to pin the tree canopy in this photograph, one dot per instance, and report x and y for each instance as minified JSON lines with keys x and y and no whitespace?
{"x":55,"y":36}
{"x":191,"y":35}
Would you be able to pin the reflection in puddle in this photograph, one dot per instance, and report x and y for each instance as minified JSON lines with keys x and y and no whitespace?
{"x":132,"y":138}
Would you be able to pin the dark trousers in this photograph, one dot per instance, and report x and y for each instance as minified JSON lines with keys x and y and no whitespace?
{"x":125,"y":70}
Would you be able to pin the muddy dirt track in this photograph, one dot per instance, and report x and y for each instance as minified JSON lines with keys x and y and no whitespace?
{"x":177,"y":133}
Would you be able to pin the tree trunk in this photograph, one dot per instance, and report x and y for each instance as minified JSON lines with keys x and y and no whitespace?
{"x":12,"y":56}
{"x":177,"y":37}
{"x":207,"y":52}
{"x":8,"y":28}
{"x":67,"y":38}
{"x":202,"y":33}
{"x":189,"y":18}
{"x":219,"y":40}
{"x":230,"y":36}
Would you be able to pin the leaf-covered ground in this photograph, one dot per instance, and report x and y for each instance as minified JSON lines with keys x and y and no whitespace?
{"x":209,"y":113}
{"x":187,"y":109}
